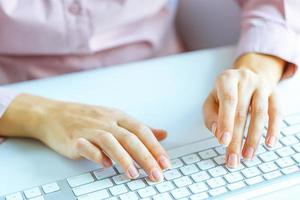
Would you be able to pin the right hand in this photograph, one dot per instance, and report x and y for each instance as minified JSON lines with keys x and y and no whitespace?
{"x":96,"y":133}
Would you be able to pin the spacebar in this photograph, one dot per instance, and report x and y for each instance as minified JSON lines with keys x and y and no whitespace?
{"x":193,"y":147}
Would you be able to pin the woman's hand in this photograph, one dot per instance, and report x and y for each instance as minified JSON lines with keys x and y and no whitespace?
{"x":249,"y":88}
{"x":96,"y":133}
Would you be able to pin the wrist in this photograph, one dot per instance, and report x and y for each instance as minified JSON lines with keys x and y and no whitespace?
{"x":24,"y":116}
{"x":271,"y":68}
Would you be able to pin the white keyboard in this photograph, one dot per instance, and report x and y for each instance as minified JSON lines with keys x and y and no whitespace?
{"x":198,"y":172}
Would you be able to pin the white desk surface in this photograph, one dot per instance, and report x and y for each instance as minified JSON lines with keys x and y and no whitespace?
{"x":166,"y":92}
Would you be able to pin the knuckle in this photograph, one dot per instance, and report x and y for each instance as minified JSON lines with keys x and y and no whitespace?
{"x":229,"y":97}
{"x":260,"y":111}
{"x":240,"y":115}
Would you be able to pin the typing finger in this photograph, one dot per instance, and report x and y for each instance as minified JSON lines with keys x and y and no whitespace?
{"x":259,"y":107}
{"x":228,"y":97}
{"x":115,"y":151}
{"x":210,"y":113}
{"x":147,"y":137}
{"x":91,"y":152}
{"x":138,"y":152}
{"x":275,"y":118}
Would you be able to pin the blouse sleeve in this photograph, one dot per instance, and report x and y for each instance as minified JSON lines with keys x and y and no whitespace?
{"x":273,"y":28}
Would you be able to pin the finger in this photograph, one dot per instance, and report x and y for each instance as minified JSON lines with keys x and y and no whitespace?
{"x":244,"y":99}
{"x":147,"y":137}
{"x":275,"y":118}
{"x":138,"y":152}
{"x":227,"y":93}
{"x":91,"y":152}
{"x":115,"y":151}
{"x":210,"y":113}
{"x":259,"y":107}
{"x":159,"y":133}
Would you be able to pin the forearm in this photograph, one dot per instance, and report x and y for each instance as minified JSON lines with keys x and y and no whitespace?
{"x":270,"y":67}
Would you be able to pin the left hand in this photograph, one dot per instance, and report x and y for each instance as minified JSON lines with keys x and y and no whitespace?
{"x":247,"y":88}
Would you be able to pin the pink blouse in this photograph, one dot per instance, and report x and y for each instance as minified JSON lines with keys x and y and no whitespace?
{"x":46,"y":38}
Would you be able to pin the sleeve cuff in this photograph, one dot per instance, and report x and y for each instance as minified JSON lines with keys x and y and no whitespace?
{"x":271,"y":39}
{"x":6,"y":97}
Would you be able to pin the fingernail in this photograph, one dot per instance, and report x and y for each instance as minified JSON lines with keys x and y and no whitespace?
{"x":156,"y":174}
{"x":132,"y":172}
{"x":106,"y":163}
{"x":226,"y":137}
{"x":271,"y":141}
{"x":164,"y":162}
{"x":232,"y":160}
{"x":249,"y":153}
{"x":214,"y":128}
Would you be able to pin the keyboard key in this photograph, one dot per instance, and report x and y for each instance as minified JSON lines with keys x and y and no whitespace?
{"x":293,"y":119}
{"x":189,"y":169}
{"x":217,"y":171}
{"x":198,"y":187}
{"x":291,"y":130}
{"x":285,"y":162}
{"x":200,"y":176}
{"x":147,"y":192}
{"x":119,"y":169}
{"x":120,"y":179}
{"x":217,"y":191}
{"x":250,"y":163}
{"x":221,"y":150}
{"x":80,"y":180}
{"x":118,"y":189}
{"x":136,"y":184}
{"x":165,"y":186}
{"x":216,"y":182}
{"x":237,"y":185}
{"x":199,"y":196}
{"x":180,"y":193}
{"x":296,"y":157}
{"x":129,"y":196}
{"x":297,"y":147}
{"x":15,"y":196}
{"x":272,"y":175}
{"x":233,"y":177}
{"x":268,"y":156}
{"x":33,"y":192}
{"x":176,"y":163}
{"x":163,"y":196}
{"x":251,"y":172}
{"x":99,"y":195}
{"x":289,"y":140}
{"x":92,"y":187}
{"x":260,"y":148}
{"x":220,"y":160}
{"x":254,"y":180}
{"x":50,"y":187}
{"x":289,"y":170}
{"x":238,"y":168}
{"x":210,"y":153}
{"x":268,"y":167}
{"x":285,"y":151}
{"x":38,"y":198}
{"x":182,"y":181}
{"x":192,"y":158}
{"x":172,"y":174}
{"x":206,"y":164}
{"x":105,"y":173}
{"x":150,"y":182}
